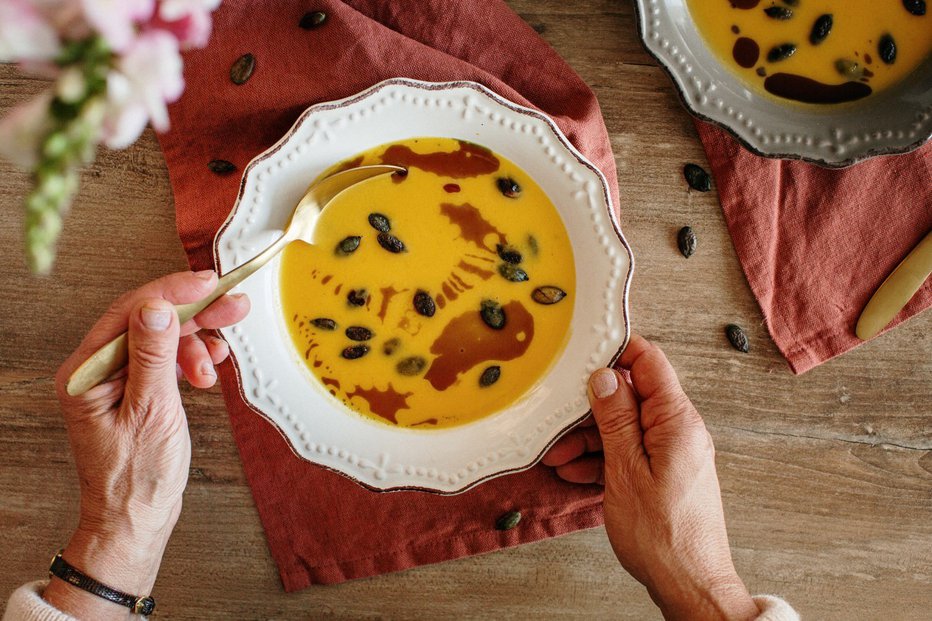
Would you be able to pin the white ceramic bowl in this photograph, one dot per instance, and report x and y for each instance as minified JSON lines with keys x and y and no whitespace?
{"x":896,"y":120}
{"x":275,"y":382}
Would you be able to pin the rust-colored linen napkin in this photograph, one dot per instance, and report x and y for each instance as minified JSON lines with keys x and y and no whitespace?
{"x":816,"y":243}
{"x":321,"y":527}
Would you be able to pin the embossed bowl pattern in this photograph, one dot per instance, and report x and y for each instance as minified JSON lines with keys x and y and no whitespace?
{"x":896,"y":120}
{"x":275,"y":383}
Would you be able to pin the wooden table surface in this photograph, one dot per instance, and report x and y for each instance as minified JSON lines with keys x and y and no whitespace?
{"x":826,"y":478}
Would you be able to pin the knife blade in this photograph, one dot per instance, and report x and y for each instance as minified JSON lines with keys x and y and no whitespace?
{"x":899,"y":287}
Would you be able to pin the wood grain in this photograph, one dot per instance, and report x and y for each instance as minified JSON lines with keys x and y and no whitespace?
{"x":826,"y":478}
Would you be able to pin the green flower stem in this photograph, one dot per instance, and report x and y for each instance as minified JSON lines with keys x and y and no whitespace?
{"x":70,"y":143}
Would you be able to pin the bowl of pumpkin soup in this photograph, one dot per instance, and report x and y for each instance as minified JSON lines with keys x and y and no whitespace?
{"x":832,"y":82}
{"x":440,"y":329}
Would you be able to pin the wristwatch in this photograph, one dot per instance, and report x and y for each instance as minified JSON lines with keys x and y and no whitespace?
{"x":60,"y":568}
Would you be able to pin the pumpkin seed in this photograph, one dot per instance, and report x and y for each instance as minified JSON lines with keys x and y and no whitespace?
{"x":358,"y":333}
{"x":916,"y":7}
{"x":391,"y":243}
{"x":312,"y":20}
{"x":821,"y":29}
{"x":354,"y":352}
{"x":221,"y":167}
{"x":390,"y":346}
{"x":348,"y":245}
{"x":493,"y":314}
{"x":242,"y":69}
{"x":357,"y":297}
{"x":424,"y":304}
{"x":508,"y":186}
{"x":781,"y":52}
{"x":512,"y":272}
{"x":507,"y":521}
{"x":548,"y":295}
{"x":490,"y":376}
{"x":412,"y":366}
{"x":686,"y":240}
{"x":778,"y":12}
{"x":533,"y":245}
{"x":323,"y":323}
{"x":850,"y":69}
{"x":380,"y":222}
{"x":886,"y":47}
{"x":697,"y":178}
{"x":737,"y":338}
{"x":509,"y":254}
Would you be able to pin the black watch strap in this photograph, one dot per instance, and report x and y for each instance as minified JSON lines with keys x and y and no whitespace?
{"x":61,"y":569}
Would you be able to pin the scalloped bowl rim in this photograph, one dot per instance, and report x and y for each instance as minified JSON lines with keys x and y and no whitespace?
{"x":379,"y":472}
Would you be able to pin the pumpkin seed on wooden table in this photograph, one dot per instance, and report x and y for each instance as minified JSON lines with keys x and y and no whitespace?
{"x":391,"y":243}
{"x":737,"y":338}
{"x":221,"y":167}
{"x":490,"y":376}
{"x":548,"y":295}
{"x":507,"y":521}
{"x":354,"y":352}
{"x":312,"y":20}
{"x":380,"y":222}
{"x":242,"y":69}
{"x":411,"y":366}
{"x":348,"y":245}
{"x":512,"y":272}
{"x":821,"y":29}
{"x":697,"y":178}
{"x":358,"y":333}
{"x":324,"y":323}
{"x":493,"y":314}
{"x":424,"y":304}
{"x":686,"y":240}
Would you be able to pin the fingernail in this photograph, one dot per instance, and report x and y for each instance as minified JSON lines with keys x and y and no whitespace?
{"x":204,"y":274}
{"x":157,"y":319}
{"x":237,"y":296}
{"x":208,"y":369}
{"x":604,"y":383}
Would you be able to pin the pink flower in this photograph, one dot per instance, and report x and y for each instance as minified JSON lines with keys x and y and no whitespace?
{"x":188,"y":20}
{"x":117,"y":21}
{"x":22,"y":131}
{"x":25,"y":34}
{"x":147,"y":78}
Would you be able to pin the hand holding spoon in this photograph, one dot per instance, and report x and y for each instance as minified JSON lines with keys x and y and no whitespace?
{"x":113,"y":356}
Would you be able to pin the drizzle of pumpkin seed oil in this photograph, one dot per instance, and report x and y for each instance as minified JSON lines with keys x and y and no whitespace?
{"x":451,"y":241}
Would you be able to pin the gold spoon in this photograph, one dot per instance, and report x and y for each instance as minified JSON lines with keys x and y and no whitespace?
{"x":113,"y":356}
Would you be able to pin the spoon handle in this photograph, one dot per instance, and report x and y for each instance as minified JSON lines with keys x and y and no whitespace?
{"x":114,"y":355}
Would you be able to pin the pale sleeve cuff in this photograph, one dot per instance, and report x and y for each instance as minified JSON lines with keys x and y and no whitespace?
{"x":26,"y":604}
{"x":772,"y":608}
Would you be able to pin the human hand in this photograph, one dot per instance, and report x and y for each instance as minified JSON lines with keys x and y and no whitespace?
{"x":129,"y":436}
{"x":663,"y":508}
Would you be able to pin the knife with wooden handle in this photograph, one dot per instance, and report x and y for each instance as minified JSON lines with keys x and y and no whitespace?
{"x":899,"y":287}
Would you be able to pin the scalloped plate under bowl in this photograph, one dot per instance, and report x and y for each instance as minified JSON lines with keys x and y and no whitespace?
{"x":895,"y":120}
{"x":319,"y":428}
